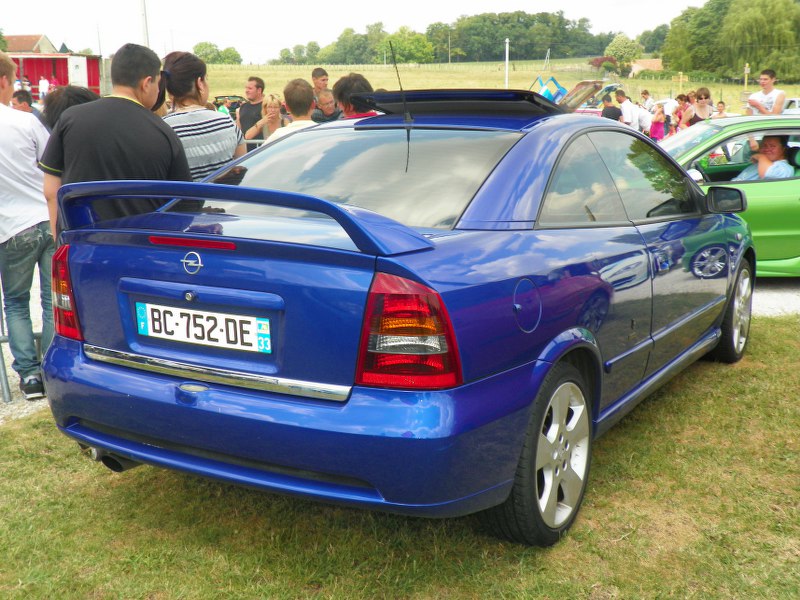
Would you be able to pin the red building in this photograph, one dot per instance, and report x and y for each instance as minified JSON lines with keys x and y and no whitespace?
{"x":36,"y":56}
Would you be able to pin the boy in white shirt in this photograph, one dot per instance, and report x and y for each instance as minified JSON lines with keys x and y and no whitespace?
{"x":769,"y":101}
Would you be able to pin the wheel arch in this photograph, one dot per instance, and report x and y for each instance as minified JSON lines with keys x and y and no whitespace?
{"x":750,"y":255}
{"x":579,"y":348}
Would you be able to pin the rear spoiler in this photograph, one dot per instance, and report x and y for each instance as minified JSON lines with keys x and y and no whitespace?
{"x":371,"y":233}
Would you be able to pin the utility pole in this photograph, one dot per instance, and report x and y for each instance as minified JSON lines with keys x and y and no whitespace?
{"x":145,"y":29}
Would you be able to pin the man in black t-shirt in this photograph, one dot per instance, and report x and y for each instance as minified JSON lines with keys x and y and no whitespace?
{"x":249,"y":113}
{"x":610,"y":111}
{"x":116,"y":137}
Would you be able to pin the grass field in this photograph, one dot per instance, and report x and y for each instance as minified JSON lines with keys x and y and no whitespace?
{"x":230,"y":79}
{"x":693,"y":495}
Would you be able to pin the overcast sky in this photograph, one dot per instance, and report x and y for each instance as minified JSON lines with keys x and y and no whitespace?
{"x":259,"y":30}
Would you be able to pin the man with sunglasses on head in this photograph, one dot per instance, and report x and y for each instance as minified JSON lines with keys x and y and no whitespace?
{"x":116,"y":137}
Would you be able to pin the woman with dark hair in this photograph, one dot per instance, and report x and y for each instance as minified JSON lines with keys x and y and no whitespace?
{"x":700,"y":110}
{"x":345,"y":89}
{"x":61,"y":98}
{"x":210,"y":138}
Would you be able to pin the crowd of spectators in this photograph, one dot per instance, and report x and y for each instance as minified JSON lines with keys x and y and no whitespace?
{"x":687,"y":109}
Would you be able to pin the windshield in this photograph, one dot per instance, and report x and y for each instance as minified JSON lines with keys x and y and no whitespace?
{"x":680,"y":143}
{"x":421,"y":177}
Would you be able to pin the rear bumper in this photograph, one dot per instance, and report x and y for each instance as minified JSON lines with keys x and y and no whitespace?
{"x":437,"y":454}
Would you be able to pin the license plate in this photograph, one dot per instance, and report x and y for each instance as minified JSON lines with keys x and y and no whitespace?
{"x":221,"y":330}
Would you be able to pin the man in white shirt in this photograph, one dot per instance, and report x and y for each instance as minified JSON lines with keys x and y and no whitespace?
{"x":647,"y":101}
{"x":769,"y":101}
{"x":644,"y":119}
{"x":25,"y":238}
{"x":629,"y":116}
{"x":299,"y":97}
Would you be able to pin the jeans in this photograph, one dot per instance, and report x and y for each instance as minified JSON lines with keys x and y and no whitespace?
{"x":18,"y":258}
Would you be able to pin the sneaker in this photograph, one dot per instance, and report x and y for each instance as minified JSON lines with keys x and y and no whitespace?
{"x":32,"y":387}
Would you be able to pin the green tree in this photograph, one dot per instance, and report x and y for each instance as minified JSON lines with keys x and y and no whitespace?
{"x":350,"y":49}
{"x":581,"y":40}
{"x":764,"y":33}
{"x":705,"y":34}
{"x":327,"y":54}
{"x":478,"y":36}
{"x":375,"y":38}
{"x":285,"y":57}
{"x":409,"y":46}
{"x":624,"y":49}
{"x":440,"y":36}
{"x":3,"y":42}
{"x":312,"y":52}
{"x":207,"y":52}
{"x":230,"y":56}
{"x":676,"y":52}
{"x":653,"y":41}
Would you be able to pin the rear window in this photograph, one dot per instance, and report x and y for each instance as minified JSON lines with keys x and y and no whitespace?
{"x":422,"y":177}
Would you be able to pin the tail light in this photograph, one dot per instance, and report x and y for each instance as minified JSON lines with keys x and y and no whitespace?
{"x":407,"y":341}
{"x":65,"y":315}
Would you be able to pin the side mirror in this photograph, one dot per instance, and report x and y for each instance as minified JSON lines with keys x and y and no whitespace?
{"x":726,"y":200}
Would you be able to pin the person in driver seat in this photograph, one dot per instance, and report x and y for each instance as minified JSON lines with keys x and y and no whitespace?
{"x":769,"y":162}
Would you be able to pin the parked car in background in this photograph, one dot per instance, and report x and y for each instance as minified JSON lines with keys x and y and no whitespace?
{"x":791,"y":106}
{"x":434,"y":311}
{"x":594,"y":104}
{"x":718,"y":150}
{"x":236,"y":102}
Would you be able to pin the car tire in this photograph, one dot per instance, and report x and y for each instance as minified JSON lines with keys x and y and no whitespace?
{"x":553,"y":468}
{"x":736,"y":322}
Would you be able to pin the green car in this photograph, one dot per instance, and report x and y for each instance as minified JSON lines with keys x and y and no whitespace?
{"x":717,"y":150}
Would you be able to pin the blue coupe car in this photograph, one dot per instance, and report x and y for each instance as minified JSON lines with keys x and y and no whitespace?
{"x":433,"y":311}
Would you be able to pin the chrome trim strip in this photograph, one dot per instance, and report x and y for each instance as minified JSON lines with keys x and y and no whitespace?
{"x":252,"y":381}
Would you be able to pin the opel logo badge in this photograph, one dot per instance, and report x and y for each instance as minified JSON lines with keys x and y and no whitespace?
{"x":192,"y":263}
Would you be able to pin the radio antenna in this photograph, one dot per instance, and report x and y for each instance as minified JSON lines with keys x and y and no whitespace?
{"x":406,"y":115}
{"x":407,"y":120}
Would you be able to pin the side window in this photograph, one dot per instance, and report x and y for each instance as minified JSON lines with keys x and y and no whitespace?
{"x":729,"y":159}
{"x":581,"y":192}
{"x":650,"y":186}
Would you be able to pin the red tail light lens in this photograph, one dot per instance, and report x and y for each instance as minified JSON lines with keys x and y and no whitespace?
{"x":65,"y":315}
{"x":407,"y":341}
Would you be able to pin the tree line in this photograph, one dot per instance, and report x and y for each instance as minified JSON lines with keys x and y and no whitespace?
{"x":716,"y":40}
{"x":470,"y":39}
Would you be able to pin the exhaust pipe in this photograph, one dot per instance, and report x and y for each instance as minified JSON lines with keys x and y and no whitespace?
{"x":118,"y":464}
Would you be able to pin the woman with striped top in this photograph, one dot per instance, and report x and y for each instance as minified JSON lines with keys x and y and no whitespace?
{"x":209,"y":138}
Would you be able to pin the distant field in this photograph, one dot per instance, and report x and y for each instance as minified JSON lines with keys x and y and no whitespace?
{"x":230,"y":79}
